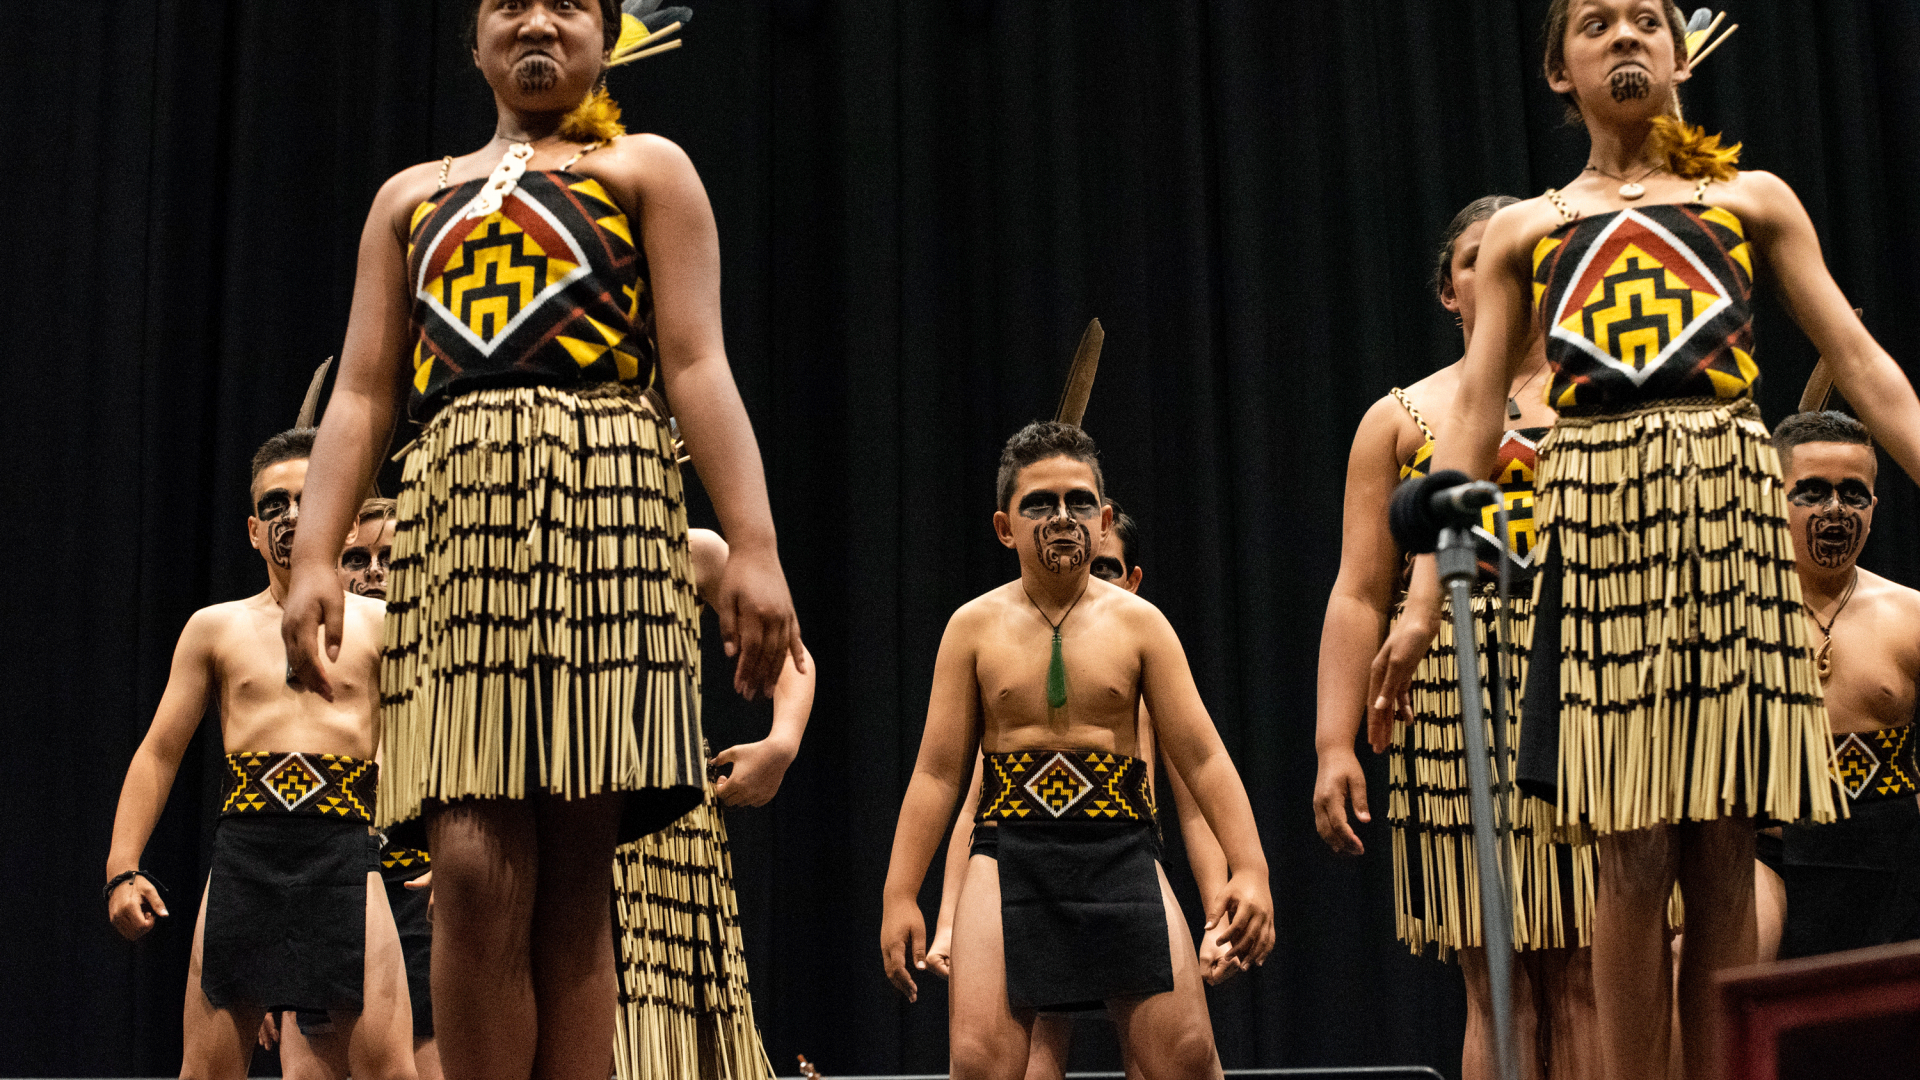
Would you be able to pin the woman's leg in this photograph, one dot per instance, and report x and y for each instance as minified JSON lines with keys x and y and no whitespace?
{"x":572,"y":938}
{"x":1630,"y":988}
{"x":1716,"y":880}
{"x":1476,"y":1063}
{"x":485,"y":868}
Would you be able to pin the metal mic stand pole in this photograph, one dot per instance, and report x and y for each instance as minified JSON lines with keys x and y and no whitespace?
{"x":1455,"y":560}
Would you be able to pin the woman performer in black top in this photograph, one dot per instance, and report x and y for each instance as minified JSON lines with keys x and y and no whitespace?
{"x":1671,"y":696}
{"x":1436,"y":894}
{"x":540,"y":682}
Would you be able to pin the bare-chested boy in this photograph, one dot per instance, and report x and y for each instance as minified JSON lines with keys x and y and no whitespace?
{"x":1114,"y":561}
{"x":293,"y":916}
{"x":1064,"y":904}
{"x":1855,"y":882}
{"x":404,"y":870}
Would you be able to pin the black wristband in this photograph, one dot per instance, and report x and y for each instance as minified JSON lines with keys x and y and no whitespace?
{"x":129,"y":875}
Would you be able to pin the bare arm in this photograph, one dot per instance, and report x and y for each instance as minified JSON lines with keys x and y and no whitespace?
{"x":959,"y":845}
{"x":683,"y":250}
{"x":1469,"y":437}
{"x":758,"y":767}
{"x":1872,"y":382}
{"x":1192,"y":746}
{"x":353,"y":433}
{"x":1205,"y":857}
{"x":1358,"y":612}
{"x":950,"y":740}
{"x":134,"y":904}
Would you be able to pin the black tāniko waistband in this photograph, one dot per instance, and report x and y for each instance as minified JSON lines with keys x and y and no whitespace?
{"x":326,"y":785}
{"x":1874,"y":765}
{"x":1065,"y":785}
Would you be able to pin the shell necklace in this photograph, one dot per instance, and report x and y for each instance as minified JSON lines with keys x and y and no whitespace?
{"x":1629,"y":189}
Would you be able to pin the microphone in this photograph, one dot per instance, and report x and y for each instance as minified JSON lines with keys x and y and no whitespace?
{"x":1427,"y":504}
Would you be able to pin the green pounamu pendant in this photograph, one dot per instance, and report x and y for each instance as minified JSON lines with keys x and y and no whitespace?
{"x":1057,"y":676}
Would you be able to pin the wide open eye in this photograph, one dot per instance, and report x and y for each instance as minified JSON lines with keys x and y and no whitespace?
{"x":356,"y":560}
{"x":1108,"y":568}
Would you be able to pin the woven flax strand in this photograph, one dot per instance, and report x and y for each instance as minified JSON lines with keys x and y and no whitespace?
{"x":684,"y":1007}
{"x":541,"y":622}
{"x":1687,"y":692}
{"x":1429,"y":808}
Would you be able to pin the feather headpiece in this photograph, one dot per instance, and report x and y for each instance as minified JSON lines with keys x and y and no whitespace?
{"x":644,"y":28}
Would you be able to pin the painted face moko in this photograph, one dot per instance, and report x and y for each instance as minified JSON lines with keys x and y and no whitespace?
{"x":368,"y":558}
{"x":1830,"y":501}
{"x":276,"y":510}
{"x":1055,"y":522}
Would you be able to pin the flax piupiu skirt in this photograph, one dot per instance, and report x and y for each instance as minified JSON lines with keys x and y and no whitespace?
{"x":1436,"y":880}
{"x":542,"y":633}
{"x":684,"y":1006}
{"x":1669,"y":676}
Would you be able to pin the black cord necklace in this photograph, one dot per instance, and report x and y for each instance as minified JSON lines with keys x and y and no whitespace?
{"x":1823,"y":658}
{"x":1057,"y":667}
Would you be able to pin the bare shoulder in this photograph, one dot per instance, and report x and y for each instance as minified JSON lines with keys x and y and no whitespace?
{"x":1514,"y":231}
{"x":204,"y":627}
{"x":983,"y":611}
{"x":1130,"y":609}
{"x":403,"y":193}
{"x":1900,"y":604}
{"x":1758,"y":198}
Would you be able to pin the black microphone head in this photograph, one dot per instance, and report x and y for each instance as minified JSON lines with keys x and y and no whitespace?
{"x":1410,"y":516}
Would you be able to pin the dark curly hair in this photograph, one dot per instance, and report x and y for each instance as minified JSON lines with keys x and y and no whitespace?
{"x":1829,"y":426}
{"x":1479,"y":209}
{"x":1039,"y":441}
{"x":293,"y":444}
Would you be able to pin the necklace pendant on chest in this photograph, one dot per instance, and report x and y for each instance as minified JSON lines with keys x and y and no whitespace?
{"x":1632,"y":189}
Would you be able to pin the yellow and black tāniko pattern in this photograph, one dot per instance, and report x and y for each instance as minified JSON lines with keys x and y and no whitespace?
{"x":1646,"y":304}
{"x":324,"y":785}
{"x":1873,"y":765}
{"x":1065,"y":785}
{"x":405,"y":859}
{"x":550,"y":289}
{"x":1513,"y":465}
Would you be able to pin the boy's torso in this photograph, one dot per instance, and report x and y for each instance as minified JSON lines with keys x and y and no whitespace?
{"x":260,"y":711}
{"x":1012,"y":649}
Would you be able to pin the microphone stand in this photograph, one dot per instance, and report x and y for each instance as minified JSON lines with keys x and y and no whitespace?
{"x":1455,"y":560}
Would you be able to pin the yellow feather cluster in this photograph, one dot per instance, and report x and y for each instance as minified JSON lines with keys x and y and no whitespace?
{"x":1690,"y":152}
{"x":596,"y":119}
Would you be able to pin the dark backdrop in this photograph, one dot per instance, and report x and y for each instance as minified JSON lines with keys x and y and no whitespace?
{"x":920,"y":204}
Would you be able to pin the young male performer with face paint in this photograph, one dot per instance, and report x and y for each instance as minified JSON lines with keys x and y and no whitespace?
{"x":1053,"y":1032}
{"x":1064,"y":905}
{"x":1855,"y":882}
{"x":293,"y":915}
{"x":403,"y":870}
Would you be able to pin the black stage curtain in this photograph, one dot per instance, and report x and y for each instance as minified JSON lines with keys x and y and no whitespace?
{"x":921,"y":204}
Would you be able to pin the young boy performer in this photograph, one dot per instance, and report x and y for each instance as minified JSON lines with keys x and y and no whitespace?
{"x":684,"y":1006}
{"x":1671,"y":695}
{"x":1852,"y":883}
{"x":1053,"y":1031}
{"x":293,"y":915}
{"x":403,"y":870}
{"x":1064,"y":906}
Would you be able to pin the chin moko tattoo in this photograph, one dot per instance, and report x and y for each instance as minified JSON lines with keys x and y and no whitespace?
{"x":1834,"y":539}
{"x":1630,"y":85}
{"x":1063,"y":545}
{"x":536,"y":75}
